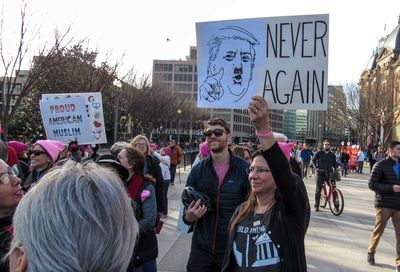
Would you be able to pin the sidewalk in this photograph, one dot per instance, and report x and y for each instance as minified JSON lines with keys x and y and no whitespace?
{"x":333,"y":243}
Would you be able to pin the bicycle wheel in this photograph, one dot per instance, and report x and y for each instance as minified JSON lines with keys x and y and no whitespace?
{"x":336,"y":202}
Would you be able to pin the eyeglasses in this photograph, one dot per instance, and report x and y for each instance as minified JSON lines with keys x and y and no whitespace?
{"x":5,"y":178}
{"x":217,"y":132}
{"x":140,"y":145}
{"x":36,"y":152}
{"x":258,"y":171}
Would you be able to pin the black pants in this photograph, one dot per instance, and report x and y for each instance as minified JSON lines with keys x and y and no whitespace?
{"x":321,"y":178}
{"x":201,"y":260}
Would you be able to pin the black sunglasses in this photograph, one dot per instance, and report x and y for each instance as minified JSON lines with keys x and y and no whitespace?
{"x":36,"y":152}
{"x":217,"y":132}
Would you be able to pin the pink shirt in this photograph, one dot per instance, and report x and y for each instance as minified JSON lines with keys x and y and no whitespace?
{"x":221,"y":170}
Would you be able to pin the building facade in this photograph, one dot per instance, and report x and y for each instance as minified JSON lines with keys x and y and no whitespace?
{"x":5,"y":86}
{"x":330,"y":124}
{"x":379,"y":91}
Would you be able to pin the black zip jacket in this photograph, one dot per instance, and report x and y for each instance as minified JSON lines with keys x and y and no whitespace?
{"x":381,"y":182}
{"x":211,"y":231}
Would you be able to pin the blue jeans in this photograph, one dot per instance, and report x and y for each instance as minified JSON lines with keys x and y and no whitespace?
{"x":150,"y":266}
{"x":172,"y":170}
{"x":360,"y":167}
{"x":166,"y":186}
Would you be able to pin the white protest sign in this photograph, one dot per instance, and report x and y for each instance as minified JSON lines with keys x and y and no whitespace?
{"x":66,"y":119}
{"x":94,"y":107}
{"x":283,"y":59}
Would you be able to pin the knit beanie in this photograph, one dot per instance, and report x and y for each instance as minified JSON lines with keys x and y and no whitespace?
{"x":51,"y":148}
{"x":204,"y":149}
{"x":286,"y":148}
{"x":18,"y":146}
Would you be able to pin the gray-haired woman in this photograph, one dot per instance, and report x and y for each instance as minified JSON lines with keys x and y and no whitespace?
{"x":78,"y":218}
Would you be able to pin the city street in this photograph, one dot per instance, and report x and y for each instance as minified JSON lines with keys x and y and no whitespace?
{"x":333,"y":243}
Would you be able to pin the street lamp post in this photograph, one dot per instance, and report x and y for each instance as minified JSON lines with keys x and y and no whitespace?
{"x":118,"y":85}
{"x":348,"y":133}
{"x":179,"y":125}
{"x":319,"y":134}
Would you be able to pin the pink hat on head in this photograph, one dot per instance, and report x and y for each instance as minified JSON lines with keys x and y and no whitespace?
{"x":286,"y":148}
{"x":167,"y":151}
{"x":18,"y":146}
{"x":204,"y":149}
{"x":59,"y":144}
{"x":153,"y":146}
{"x":53,"y":149}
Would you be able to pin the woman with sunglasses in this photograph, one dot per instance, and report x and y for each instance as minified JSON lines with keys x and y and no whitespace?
{"x":152,"y":168}
{"x":10,"y":195}
{"x":266,"y":233}
{"x":43,"y":155}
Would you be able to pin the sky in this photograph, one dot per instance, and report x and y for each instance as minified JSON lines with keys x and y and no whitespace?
{"x":138,"y":30}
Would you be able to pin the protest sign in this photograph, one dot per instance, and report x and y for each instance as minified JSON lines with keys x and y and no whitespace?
{"x":94,"y":108}
{"x":283,"y":59}
{"x":66,"y":119}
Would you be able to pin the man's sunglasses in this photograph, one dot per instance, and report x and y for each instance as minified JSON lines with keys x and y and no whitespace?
{"x":217,"y":132}
{"x":36,"y":152}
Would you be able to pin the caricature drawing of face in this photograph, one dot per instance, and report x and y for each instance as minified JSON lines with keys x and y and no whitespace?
{"x":231,"y":60}
{"x":235,"y":58}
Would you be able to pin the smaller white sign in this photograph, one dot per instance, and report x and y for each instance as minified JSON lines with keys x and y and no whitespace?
{"x":94,"y":108}
{"x":66,"y":119}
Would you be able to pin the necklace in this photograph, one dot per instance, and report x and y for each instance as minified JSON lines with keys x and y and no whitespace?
{"x":264,"y":208}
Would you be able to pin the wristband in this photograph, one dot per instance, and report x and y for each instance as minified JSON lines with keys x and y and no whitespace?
{"x":264,"y":134}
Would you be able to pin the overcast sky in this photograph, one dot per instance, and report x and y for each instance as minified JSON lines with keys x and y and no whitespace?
{"x":139,"y":29}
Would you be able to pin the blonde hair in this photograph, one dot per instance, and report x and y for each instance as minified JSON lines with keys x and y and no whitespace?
{"x":135,"y":140}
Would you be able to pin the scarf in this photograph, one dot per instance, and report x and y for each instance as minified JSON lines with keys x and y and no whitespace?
{"x":134,"y":186}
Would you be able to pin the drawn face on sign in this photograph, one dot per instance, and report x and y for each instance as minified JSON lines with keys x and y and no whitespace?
{"x":230,"y":65}
{"x":235,"y":59}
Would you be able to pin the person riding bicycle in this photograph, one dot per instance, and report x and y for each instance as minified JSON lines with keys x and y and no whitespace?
{"x":325,"y":162}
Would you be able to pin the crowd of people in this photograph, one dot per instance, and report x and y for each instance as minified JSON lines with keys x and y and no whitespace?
{"x":51,"y":194}
{"x":247,"y":207}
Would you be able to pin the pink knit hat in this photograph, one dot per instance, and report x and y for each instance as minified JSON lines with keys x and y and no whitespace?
{"x":59,"y":144}
{"x":204,"y":149}
{"x":286,"y":148}
{"x":154,"y":146}
{"x":18,"y":146}
{"x":52,"y":148}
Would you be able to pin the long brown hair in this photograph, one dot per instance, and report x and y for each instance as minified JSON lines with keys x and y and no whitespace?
{"x":248,"y":206}
{"x":137,"y":160}
{"x":246,"y":209}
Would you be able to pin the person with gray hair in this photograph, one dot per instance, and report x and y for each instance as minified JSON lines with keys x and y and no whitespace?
{"x":117,"y":147}
{"x":78,"y":218}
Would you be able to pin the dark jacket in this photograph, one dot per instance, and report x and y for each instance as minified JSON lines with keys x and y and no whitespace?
{"x":147,"y":247}
{"x":210,"y":231}
{"x":33,"y":177}
{"x":325,"y":161}
{"x":153,"y":168}
{"x":287,"y":216}
{"x":381,"y":182}
{"x":5,"y":240}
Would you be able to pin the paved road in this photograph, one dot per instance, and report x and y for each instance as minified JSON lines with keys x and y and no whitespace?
{"x":332,"y":243}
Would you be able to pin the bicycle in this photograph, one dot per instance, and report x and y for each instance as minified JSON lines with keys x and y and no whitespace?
{"x":334,"y":196}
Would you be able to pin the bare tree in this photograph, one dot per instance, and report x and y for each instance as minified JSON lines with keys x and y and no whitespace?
{"x":68,"y":70}
{"x":371,"y":112}
{"x":12,"y":94}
